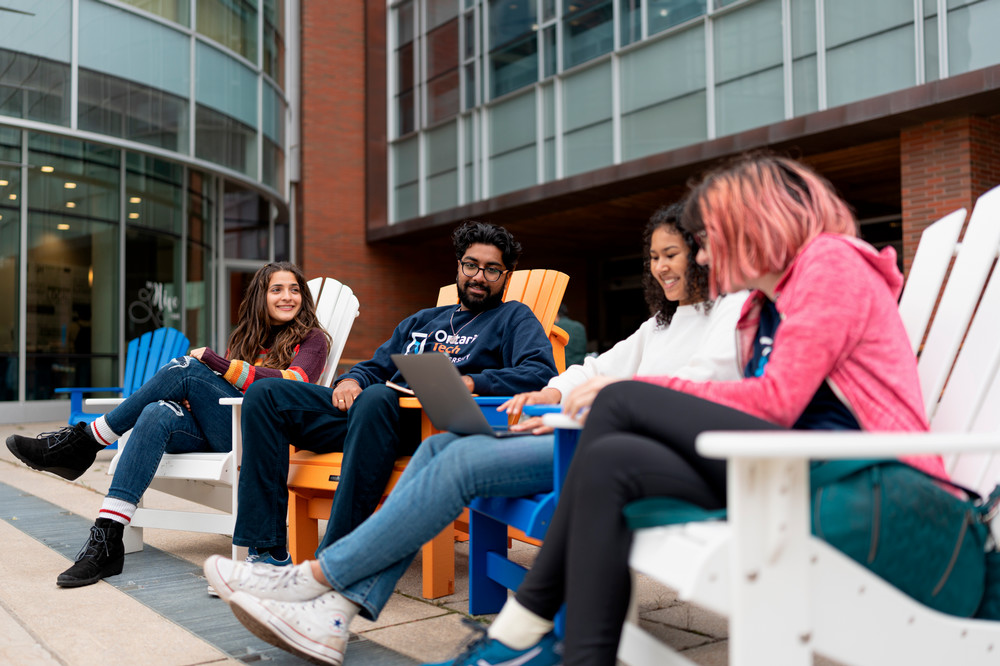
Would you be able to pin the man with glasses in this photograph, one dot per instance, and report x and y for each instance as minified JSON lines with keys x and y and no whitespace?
{"x":499,"y":348}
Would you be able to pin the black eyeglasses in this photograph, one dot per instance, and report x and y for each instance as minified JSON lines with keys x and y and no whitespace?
{"x":490,"y":273}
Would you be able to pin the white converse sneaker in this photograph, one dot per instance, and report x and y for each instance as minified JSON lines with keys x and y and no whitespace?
{"x":315,"y":630}
{"x":266,"y":581}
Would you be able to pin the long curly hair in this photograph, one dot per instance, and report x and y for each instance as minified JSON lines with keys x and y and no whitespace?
{"x":695,"y":277}
{"x":253,"y":328}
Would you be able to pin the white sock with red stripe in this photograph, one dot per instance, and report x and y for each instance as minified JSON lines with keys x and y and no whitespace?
{"x":102,"y":432}
{"x":117,"y":510}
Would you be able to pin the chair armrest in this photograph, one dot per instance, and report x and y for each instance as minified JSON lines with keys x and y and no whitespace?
{"x":559,"y":335}
{"x":827,"y":444}
{"x":230,"y":401}
{"x":103,"y":402}
{"x":90,"y":389}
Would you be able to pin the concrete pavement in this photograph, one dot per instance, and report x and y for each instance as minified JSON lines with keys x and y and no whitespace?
{"x":155,"y":612}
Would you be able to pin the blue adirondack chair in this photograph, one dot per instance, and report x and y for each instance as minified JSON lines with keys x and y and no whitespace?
{"x":143,"y":357}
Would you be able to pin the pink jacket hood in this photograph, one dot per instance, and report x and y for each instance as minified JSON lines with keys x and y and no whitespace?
{"x":840,"y":324}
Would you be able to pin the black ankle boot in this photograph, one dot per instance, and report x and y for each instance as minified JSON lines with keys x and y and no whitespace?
{"x":103,"y":555}
{"x":67,"y":452}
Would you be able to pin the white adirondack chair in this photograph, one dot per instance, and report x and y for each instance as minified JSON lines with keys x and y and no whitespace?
{"x":790,"y":595}
{"x":211,"y":479}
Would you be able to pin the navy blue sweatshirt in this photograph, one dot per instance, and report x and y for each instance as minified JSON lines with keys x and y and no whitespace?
{"x":503,"y":350}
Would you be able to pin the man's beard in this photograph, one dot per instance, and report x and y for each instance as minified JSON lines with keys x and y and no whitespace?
{"x":477,"y":303}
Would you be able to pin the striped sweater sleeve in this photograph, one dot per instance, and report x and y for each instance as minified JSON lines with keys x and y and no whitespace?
{"x":307,"y":364}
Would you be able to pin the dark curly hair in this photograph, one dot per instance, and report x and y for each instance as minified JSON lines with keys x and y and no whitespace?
{"x":695,"y":277}
{"x":489,"y":234}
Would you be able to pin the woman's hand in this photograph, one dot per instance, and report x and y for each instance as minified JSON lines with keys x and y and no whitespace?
{"x":344,"y":394}
{"x":514,"y":406}
{"x":532,"y":426}
{"x":197,"y":353}
{"x":577,"y":405}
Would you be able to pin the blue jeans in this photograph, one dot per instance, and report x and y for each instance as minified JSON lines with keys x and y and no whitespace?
{"x":443,"y":476}
{"x":276,"y":412}
{"x":161,"y":425}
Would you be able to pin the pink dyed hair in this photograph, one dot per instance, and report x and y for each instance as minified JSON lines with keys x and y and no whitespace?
{"x":758,"y":212}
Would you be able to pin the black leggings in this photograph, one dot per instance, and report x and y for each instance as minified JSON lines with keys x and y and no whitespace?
{"x":638,"y":442}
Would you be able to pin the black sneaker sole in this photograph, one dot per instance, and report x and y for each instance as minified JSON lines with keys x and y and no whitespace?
{"x":64,"y":472}
{"x":111,"y":569}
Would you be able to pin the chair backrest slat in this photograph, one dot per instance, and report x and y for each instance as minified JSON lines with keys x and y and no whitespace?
{"x":927,"y":272}
{"x":961,"y":294}
{"x":336,"y":309}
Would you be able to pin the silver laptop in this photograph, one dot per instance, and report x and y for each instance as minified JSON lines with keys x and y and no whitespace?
{"x":447,"y":402}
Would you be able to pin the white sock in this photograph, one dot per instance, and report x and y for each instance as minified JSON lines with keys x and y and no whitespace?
{"x":342,"y":604}
{"x":117,"y":510}
{"x":102,"y":432}
{"x":517,"y":627}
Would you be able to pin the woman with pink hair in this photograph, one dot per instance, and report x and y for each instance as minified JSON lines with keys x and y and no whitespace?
{"x":821,"y":346}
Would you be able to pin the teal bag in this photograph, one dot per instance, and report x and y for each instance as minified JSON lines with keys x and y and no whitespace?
{"x":894,"y":520}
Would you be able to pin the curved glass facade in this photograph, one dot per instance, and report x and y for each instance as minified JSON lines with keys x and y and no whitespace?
{"x":142,"y":179}
{"x":491,"y":96}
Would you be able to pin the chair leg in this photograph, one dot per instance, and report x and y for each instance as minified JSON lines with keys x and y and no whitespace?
{"x":486,"y":535}
{"x":439,"y":565}
{"x":303,"y":531}
{"x":132,"y":538}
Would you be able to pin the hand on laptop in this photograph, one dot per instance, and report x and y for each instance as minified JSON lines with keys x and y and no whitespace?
{"x":534,"y":425}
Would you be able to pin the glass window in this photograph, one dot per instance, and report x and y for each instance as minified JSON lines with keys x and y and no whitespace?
{"x":198,"y":301}
{"x":273,"y":153}
{"x":405,"y":172}
{"x":405,"y":98}
{"x":805,"y":77}
{"x":442,"y":167}
{"x":665,"y":14}
{"x":232,"y":23}
{"x":972,"y":41}
{"x":10,"y":261}
{"x":513,"y":163}
{"x":630,"y":12}
{"x":442,"y":72}
{"x":72,"y":303}
{"x":748,"y":67}
{"x":587,"y":143}
{"x":177,"y":11}
{"x":34,"y":88}
{"x":108,"y":39}
{"x":226,"y":141}
{"x":152,"y":281}
{"x":895,"y":70}
{"x":153,"y":194}
{"x":513,"y":45}
{"x":274,"y":40}
{"x":843,"y":26}
{"x":247,"y":218}
{"x":282,"y":233}
{"x":551,"y":57}
{"x":44,"y":30}
{"x":667,"y":110}
{"x":588,"y":30}
{"x":440,"y":11}
{"x":113,"y":106}
{"x":225,"y":84}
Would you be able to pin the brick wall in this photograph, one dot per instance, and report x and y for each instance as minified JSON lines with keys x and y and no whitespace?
{"x":945,"y":165}
{"x":332,"y":203}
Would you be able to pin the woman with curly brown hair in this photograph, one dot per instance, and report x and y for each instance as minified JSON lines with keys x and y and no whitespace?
{"x":178,"y":410}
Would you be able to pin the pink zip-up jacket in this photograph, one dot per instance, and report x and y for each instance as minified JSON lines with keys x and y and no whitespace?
{"x":839,"y":323}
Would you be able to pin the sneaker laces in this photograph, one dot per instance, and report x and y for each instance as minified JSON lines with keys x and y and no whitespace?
{"x":472,"y":642}
{"x":259,"y":574}
{"x":98,"y":539}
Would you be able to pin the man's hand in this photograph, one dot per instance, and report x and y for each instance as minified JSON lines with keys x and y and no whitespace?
{"x":345,"y":393}
{"x":514,"y":406}
{"x":578,"y":403}
{"x":197,"y":353}
{"x":469,"y":384}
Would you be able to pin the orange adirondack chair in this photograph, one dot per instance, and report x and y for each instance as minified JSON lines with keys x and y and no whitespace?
{"x":312,"y":477}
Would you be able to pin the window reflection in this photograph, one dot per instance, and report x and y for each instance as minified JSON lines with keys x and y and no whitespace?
{"x":246,"y":223}
{"x":665,"y":14}
{"x":198,"y":301}
{"x":588,"y":30}
{"x":10,"y":265}
{"x":225,"y":140}
{"x":513,"y":45}
{"x":34,"y":88}
{"x":405,"y":99}
{"x":274,"y":40}
{"x":232,"y":23}
{"x":117,"y":107}
{"x":172,"y":10}
{"x":72,"y":301}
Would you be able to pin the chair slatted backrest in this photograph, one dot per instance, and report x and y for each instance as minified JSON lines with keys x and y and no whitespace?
{"x":959,"y":366}
{"x":958,"y":302}
{"x":927,"y":273}
{"x":336,"y":309}
{"x":150,"y":352}
{"x":540,"y":289}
